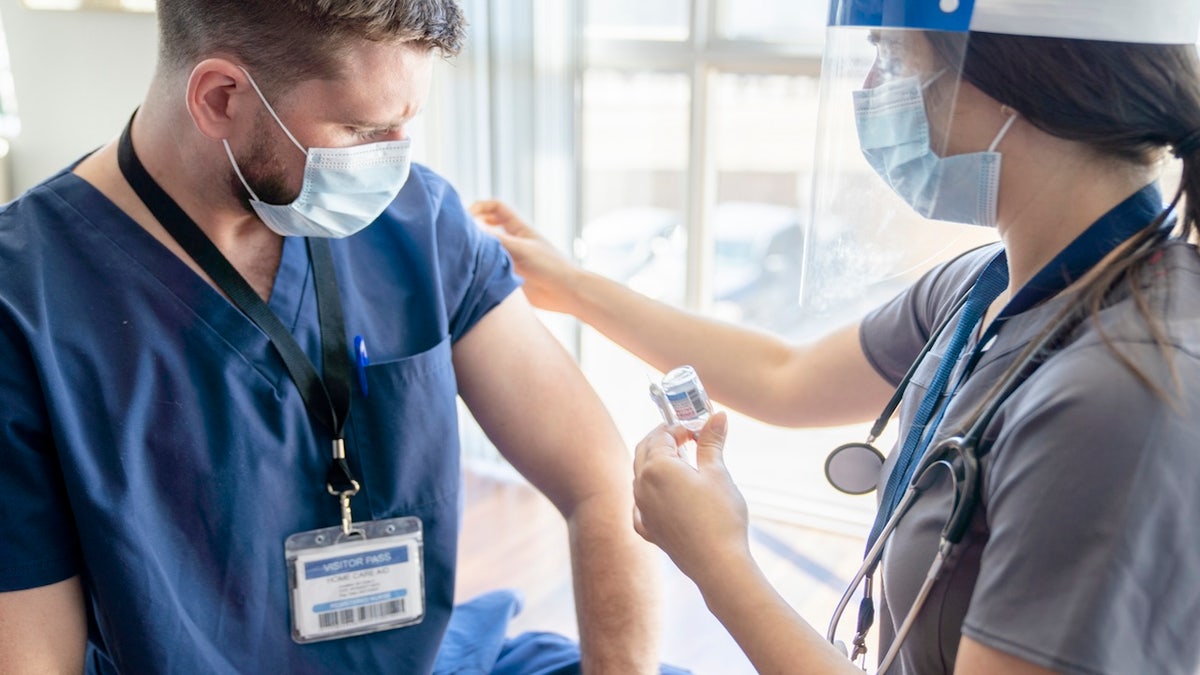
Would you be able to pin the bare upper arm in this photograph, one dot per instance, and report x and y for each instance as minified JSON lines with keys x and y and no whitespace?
{"x":43,"y":630}
{"x":829,"y":382}
{"x":531,"y":399}
{"x":975,"y":658}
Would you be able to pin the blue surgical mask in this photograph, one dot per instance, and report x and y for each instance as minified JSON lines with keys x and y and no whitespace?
{"x":344,"y":189}
{"x":893,"y":131}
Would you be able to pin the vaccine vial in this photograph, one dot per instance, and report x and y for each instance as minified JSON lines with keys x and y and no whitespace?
{"x":687,"y":398}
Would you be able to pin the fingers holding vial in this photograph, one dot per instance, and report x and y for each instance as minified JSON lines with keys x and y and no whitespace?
{"x":681,"y":400}
{"x":689,"y":508}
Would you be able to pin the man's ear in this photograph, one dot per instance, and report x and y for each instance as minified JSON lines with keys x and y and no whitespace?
{"x":216,"y":90}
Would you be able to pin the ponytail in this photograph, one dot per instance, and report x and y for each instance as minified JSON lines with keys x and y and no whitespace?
{"x":1187,"y":149}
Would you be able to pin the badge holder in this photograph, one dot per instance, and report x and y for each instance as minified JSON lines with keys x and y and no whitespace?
{"x":354,"y":578}
{"x":369,"y":581}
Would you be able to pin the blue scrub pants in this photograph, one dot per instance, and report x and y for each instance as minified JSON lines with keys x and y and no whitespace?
{"x":475,"y":643}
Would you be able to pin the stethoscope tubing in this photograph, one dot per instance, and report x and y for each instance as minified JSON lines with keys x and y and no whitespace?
{"x":967,"y":447}
{"x":931,"y":576}
{"x":876,"y":553}
{"x":970,"y":447}
{"x":869,"y":562}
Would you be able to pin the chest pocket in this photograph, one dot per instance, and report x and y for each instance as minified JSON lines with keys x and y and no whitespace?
{"x":403,"y":435}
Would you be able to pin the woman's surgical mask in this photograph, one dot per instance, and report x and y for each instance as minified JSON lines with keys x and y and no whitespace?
{"x":893,"y":131}
{"x":344,"y":189}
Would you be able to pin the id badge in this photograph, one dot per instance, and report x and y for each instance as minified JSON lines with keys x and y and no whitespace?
{"x":367,"y":582}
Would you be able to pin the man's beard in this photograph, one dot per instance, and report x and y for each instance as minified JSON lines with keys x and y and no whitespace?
{"x":263,"y":169}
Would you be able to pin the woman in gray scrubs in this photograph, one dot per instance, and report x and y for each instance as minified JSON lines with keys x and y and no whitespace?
{"x":1050,"y":121}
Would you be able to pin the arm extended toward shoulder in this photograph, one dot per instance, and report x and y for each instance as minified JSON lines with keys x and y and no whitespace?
{"x":535,"y":405}
{"x":823,"y":383}
{"x":43,"y":630}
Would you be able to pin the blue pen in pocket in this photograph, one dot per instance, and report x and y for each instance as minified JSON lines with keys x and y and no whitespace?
{"x":360,"y":363}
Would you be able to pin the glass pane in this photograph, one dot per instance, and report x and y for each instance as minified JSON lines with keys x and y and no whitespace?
{"x":636,"y":19}
{"x":635,"y":155}
{"x":635,"y":160}
{"x":10,"y":125}
{"x":763,"y":135}
{"x":788,"y":21}
{"x":118,"y":5}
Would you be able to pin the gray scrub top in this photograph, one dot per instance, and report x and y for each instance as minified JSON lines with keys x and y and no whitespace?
{"x":1083,"y":555}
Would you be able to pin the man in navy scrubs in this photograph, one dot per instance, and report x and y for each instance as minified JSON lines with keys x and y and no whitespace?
{"x":238,"y":333}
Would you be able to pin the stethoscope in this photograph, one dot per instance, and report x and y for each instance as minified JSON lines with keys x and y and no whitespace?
{"x":959,"y":456}
{"x":854,"y":468}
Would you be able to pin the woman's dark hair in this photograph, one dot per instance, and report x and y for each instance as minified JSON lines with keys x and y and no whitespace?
{"x":1126,"y":101}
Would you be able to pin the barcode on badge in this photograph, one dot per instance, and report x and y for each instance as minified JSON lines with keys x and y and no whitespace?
{"x":346,"y":617}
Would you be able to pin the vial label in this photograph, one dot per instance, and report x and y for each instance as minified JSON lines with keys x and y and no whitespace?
{"x":688,"y":405}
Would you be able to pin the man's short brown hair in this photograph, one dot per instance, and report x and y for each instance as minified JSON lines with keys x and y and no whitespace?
{"x":286,"y":41}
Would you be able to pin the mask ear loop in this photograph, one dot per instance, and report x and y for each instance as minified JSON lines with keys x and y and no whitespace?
{"x":929,"y":83}
{"x":229,"y":152}
{"x":272,"y":110}
{"x":238,"y":171}
{"x":1012,"y":117}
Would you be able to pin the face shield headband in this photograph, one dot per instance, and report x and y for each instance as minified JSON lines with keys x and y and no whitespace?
{"x":1149,"y":22}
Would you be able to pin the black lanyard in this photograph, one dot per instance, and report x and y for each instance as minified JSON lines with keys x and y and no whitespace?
{"x":328,"y":399}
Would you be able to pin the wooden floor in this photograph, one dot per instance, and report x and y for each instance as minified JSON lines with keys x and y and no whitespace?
{"x":505,"y":520}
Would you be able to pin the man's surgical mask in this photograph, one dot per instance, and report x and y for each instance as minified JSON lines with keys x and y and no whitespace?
{"x":893,"y":131}
{"x":344,"y":189}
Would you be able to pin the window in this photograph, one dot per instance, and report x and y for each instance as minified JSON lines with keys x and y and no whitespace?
{"x":698,"y":124}
{"x":672,"y":149}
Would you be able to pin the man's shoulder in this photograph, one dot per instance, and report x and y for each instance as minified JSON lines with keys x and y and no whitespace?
{"x":62,"y":186}
{"x":428,"y":213}
{"x":426,"y":185}
{"x":40,"y":211}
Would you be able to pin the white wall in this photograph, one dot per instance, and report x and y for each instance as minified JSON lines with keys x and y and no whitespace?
{"x":78,"y":76}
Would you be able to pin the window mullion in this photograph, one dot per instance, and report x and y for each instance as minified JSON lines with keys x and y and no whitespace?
{"x":701,"y":179}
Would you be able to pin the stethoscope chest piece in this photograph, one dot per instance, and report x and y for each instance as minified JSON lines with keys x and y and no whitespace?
{"x":854,"y":468}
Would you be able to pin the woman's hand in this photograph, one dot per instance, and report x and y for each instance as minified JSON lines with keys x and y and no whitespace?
{"x":697,"y":516}
{"x":549,"y":276}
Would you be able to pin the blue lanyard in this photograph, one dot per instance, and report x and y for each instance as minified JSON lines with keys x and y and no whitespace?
{"x":1097,"y":241}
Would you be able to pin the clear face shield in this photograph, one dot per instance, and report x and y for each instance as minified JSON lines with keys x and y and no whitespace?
{"x":896,"y":177}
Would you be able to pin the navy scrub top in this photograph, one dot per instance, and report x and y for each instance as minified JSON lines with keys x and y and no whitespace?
{"x":152,"y":441}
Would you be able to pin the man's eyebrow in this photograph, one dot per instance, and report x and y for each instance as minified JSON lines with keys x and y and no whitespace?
{"x":364,"y":124}
{"x":394,"y":123}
